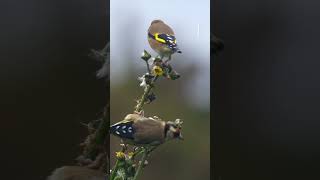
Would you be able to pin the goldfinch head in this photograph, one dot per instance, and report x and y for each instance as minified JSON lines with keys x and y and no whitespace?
{"x":162,"y":38}
{"x":173,"y":130}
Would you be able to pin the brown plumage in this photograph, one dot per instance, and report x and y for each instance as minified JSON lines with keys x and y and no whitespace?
{"x":142,"y":125}
{"x":158,"y":26}
{"x":142,"y":131}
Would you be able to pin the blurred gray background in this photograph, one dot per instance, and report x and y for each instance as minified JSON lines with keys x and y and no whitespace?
{"x":190,"y":22}
{"x":187,"y":98}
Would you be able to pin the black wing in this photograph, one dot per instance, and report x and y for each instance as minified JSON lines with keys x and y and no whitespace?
{"x":123,"y":129}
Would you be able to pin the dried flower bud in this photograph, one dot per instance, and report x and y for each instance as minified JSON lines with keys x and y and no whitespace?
{"x":174,"y":75}
{"x":168,"y":67}
{"x":151,"y":97}
{"x":145,"y":79}
{"x":145,"y":55}
{"x":157,"y":61}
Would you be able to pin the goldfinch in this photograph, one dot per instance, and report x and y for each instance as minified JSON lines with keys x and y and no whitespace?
{"x":142,"y":131}
{"x":162,"y":39}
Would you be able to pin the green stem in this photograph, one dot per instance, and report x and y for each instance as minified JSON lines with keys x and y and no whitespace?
{"x":148,"y":67}
{"x":114,"y":170}
{"x":116,"y":166}
{"x":145,"y":94}
{"x":136,"y":153}
{"x":140,"y":167}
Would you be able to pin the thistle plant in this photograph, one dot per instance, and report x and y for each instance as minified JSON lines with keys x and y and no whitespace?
{"x":129,"y":164}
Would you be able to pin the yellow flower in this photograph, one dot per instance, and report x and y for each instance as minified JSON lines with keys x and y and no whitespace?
{"x":120,"y":155}
{"x":157,"y":70}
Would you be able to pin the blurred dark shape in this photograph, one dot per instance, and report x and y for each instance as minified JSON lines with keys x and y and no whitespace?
{"x":216,"y":44}
{"x":266,"y":90}
{"x":76,"y":173}
{"x":96,"y":146}
{"x":48,"y":85}
{"x":95,"y":156}
{"x":104,"y":57}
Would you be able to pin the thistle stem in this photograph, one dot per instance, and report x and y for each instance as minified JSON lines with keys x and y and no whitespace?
{"x":116,"y":166}
{"x":114,"y":171}
{"x":148,"y":67}
{"x":145,"y":94}
{"x":140,"y":167}
{"x":138,"y":109}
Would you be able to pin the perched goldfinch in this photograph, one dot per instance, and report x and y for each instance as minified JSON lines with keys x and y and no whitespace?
{"x":141,"y":131}
{"x":162,"y":39}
